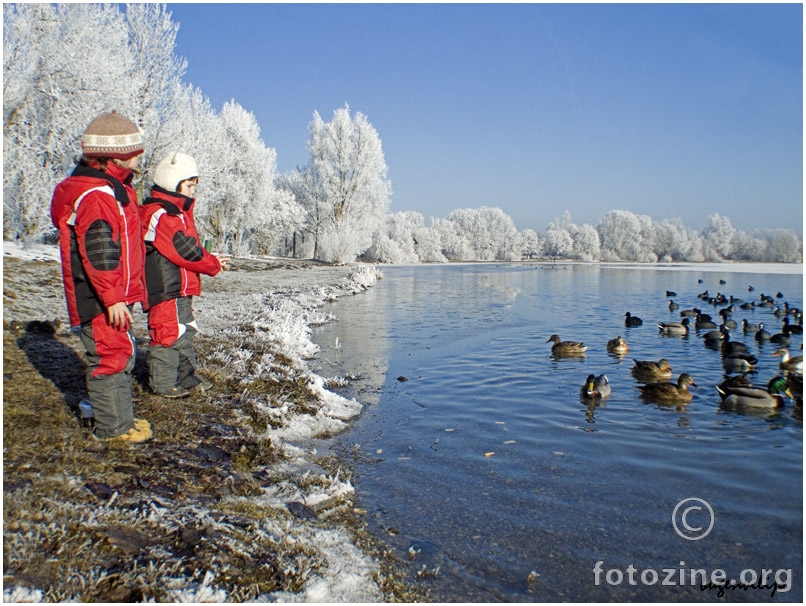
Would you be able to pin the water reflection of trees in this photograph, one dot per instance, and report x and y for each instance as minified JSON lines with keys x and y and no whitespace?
{"x":356,"y":346}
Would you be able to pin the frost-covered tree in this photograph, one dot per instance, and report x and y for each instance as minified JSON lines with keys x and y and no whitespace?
{"x":717,"y":237}
{"x":557,"y":242}
{"x":489,"y":233}
{"x":671,"y":240}
{"x":586,"y":243}
{"x":246,"y":213}
{"x":647,"y":243}
{"x":301,"y":183}
{"x":468,"y":225}
{"x":783,"y":246}
{"x":626,"y":237}
{"x":455,"y":246}
{"x":58,"y":74}
{"x":347,"y":185}
{"x":428,"y":244}
{"x":153,"y":81}
{"x":748,"y":247}
{"x":530,"y":243}
{"x":397,"y":243}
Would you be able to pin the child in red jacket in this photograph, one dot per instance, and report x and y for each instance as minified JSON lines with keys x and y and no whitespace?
{"x":174,"y":260}
{"x":95,"y":211}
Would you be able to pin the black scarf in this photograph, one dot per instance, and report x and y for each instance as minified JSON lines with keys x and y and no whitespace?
{"x":121,"y":195}
{"x":182,"y":201}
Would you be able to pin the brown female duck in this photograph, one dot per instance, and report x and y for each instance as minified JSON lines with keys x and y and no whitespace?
{"x":647,"y":371}
{"x":618,"y":346}
{"x":669,"y":392}
{"x":566,"y":348}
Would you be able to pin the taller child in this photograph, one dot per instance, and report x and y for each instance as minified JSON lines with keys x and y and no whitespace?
{"x":95,"y":210}
{"x":174,"y":260}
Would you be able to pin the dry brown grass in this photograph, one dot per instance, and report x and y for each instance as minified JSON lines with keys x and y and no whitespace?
{"x":105,"y":522}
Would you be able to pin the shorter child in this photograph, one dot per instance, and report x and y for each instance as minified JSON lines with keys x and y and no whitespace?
{"x":174,"y":260}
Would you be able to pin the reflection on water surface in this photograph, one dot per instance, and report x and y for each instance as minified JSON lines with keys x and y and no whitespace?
{"x":486,"y":465}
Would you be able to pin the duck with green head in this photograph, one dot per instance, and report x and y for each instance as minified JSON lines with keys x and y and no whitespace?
{"x":755,"y":397}
{"x":595,"y":387}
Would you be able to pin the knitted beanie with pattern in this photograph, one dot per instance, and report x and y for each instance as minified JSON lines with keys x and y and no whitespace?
{"x":111,"y":135}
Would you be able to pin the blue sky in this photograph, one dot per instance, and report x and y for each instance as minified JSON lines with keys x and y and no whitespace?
{"x":666,"y":110}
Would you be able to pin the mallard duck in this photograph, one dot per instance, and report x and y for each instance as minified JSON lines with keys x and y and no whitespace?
{"x":618,"y":346}
{"x":794,"y":384}
{"x":791,"y":363}
{"x":669,"y":392}
{"x":739,"y":361}
{"x":647,"y":371}
{"x":631,"y":320}
{"x":739,"y":397}
{"x":566,"y":348}
{"x":737,"y":381}
{"x":595,"y":388}
{"x":674,"y":328}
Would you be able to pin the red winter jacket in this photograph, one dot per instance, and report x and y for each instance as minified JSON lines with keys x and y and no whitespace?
{"x":174,"y":256}
{"x":100,"y":241}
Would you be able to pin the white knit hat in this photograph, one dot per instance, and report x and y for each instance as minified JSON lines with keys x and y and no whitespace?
{"x":173,"y":169}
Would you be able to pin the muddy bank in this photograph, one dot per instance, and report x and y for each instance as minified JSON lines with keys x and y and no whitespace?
{"x":229,"y":501}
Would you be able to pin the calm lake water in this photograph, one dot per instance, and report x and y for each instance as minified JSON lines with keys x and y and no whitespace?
{"x":567,"y":484}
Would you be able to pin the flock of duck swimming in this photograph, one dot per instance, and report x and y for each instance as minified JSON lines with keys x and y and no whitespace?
{"x":736,"y":391}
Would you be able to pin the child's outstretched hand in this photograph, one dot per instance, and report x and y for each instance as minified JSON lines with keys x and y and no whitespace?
{"x":223,"y":259}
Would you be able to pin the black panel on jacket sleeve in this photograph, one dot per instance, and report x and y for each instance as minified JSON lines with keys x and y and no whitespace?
{"x":187,"y":248}
{"x":102,"y":251}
